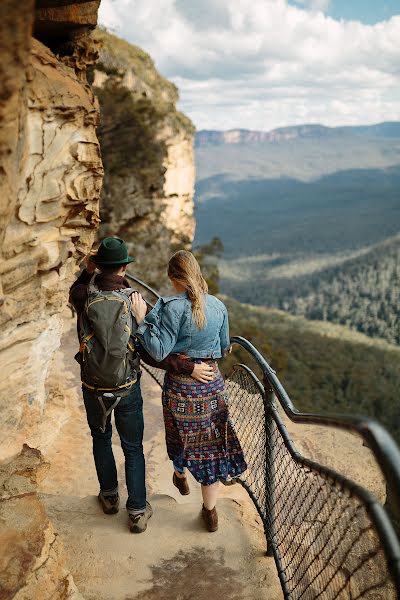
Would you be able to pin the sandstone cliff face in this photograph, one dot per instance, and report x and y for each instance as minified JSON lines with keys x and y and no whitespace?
{"x":32,"y":563}
{"x":51,"y":175}
{"x":147,"y":148}
{"x":50,"y":180}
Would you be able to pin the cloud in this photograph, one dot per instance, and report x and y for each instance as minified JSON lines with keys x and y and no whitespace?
{"x":266,"y":63}
{"x":321,"y":5}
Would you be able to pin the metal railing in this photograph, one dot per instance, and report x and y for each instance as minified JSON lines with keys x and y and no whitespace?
{"x":330,"y":537}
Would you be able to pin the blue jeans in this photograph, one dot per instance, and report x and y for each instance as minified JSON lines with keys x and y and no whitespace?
{"x":128,"y":416}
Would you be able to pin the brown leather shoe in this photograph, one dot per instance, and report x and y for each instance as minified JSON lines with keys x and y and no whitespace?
{"x":210,"y":518}
{"x":181,"y":483}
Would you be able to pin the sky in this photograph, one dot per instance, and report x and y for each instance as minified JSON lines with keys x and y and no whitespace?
{"x":262,"y":64}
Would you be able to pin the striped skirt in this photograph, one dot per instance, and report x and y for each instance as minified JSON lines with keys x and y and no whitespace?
{"x":198,"y":431}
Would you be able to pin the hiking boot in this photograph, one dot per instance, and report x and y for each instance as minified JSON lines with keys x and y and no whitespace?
{"x":210,"y":518}
{"x":138,"y":523}
{"x":181,"y":483}
{"x":110,"y":504}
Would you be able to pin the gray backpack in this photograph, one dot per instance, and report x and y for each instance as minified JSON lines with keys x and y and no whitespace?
{"x":107,"y":354}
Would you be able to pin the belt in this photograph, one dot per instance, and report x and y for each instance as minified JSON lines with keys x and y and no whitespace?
{"x":114,"y":389}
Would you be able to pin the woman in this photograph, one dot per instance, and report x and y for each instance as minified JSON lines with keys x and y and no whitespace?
{"x":199,"y":434}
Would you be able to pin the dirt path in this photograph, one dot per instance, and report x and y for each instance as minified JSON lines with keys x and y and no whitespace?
{"x":175,"y":559}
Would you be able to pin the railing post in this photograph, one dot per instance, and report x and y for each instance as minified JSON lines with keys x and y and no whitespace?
{"x":270,"y":487}
{"x":269,"y":469}
{"x":391,"y":505}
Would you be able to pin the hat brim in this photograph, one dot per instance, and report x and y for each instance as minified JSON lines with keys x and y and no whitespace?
{"x":111,"y":263}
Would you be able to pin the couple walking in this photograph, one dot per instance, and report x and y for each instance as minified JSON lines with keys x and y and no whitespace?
{"x":183,"y":334}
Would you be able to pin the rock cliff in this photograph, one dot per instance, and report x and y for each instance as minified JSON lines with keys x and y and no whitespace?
{"x":32,"y":563}
{"x":50,"y":181}
{"x":147,"y":148}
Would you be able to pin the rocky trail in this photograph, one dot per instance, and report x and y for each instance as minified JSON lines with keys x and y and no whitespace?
{"x":58,"y":545}
{"x":175,"y":559}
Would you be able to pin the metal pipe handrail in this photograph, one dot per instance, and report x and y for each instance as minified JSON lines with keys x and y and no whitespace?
{"x":143,"y":284}
{"x":377,"y":438}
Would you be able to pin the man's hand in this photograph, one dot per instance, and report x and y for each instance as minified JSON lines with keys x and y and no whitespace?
{"x":90,"y":265}
{"x":203,"y":372}
{"x":139,"y":307}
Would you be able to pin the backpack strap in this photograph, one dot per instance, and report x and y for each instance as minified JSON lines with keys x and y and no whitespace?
{"x":127,"y":291}
{"x":107,"y":411}
{"x":92,"y":287}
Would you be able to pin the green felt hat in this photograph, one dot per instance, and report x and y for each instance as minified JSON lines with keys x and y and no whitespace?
{"x":112,"y":251}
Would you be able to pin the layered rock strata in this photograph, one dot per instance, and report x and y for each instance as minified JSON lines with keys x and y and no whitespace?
{"x":147,"y":148}
{"x":50,"y":182}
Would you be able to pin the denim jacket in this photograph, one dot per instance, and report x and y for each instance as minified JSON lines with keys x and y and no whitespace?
{"x":170,"y":329}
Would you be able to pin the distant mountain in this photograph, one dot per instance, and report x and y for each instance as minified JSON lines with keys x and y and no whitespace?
{"x":309,"y":156}
{"x":284,"y":134}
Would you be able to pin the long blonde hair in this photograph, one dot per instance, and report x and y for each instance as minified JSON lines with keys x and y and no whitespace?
{"x":185,"y":270}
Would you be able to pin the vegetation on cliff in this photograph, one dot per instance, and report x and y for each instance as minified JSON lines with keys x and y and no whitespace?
{"x":135,"y":102}
{"x":143,"y":139}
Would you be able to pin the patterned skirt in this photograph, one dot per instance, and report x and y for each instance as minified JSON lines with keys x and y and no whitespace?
{"x":198,"y":431}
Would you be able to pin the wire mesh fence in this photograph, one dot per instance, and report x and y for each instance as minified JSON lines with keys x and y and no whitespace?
{"x":246,"y":410}
{"x":156,"y":374}
{"x":320,"y":526}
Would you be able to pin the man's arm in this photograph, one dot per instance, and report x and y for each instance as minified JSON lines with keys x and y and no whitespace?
{"x":77,"y":292}
{"x":173,"y":364}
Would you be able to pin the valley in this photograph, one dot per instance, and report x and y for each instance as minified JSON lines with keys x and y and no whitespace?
{"x":309,"y":221}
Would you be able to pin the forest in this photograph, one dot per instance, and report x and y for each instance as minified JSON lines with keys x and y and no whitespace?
{"x":362,"y":293}
{"x":323,"y":367}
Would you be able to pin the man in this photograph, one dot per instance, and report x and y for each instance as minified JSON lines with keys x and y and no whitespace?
{"x":126,"y":399}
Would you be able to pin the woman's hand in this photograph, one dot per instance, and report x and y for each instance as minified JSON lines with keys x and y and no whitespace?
{"x":203,"y":372}
{"x":139,"y":307}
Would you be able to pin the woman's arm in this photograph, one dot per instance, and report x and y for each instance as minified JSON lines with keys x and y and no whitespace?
{"x":158,"y":330}
{"x":172,"y":364}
